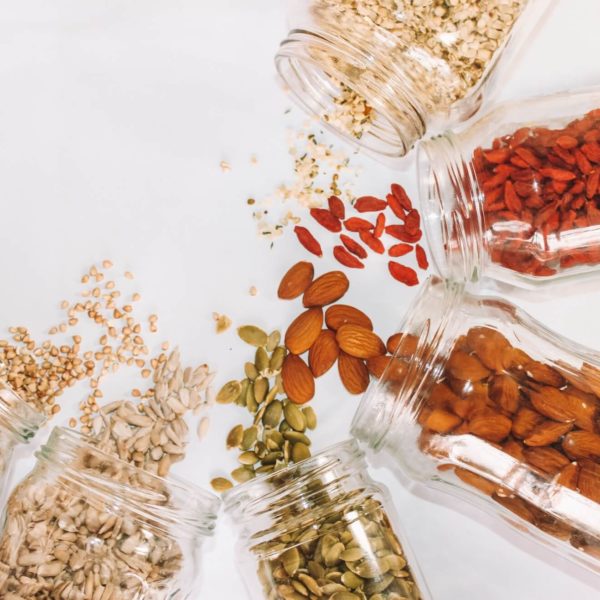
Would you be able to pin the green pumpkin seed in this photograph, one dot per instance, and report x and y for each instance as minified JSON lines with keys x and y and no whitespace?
{"x":252,"y":335}
{"x":290,"y":560}
{"x":234,"y":437}
{"x":376,"y":587}
{"x":273,"y":340}
{"x":242,"y":474}
{"x":248,"y":458}
{"x":251,"y":371}
{"x":310,"y":416}
{"x":220,"y":484}
{"x":277,"y":358}
{"x":249,"y":438}
{"x":333,"y":588}
{"x":300,"y":452}
{"x":241,"y":399}
{"x":350,"y":580}
{"x":273,"y":413}
{"x":229,"y":392}
{"x":296,"y":436}
{"x":352,"y":554}
{"x":261,"y":387}
{"x":294,"y":416}
{"x":344,"y":596}
{"x":310,"y":584}
{"x":251,"y":404}
{"x":261,"y":359}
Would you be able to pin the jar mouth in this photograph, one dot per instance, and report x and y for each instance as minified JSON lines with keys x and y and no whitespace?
{"x":168,"y":503}
{"x":451,"y":202}
{"x":311,"y":82}
{"x":17,"y":416}
{"x":383,"y":405}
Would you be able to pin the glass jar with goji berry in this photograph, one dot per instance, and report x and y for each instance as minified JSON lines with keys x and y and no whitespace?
{"x":482,"y":401}
{"x":383,"y":73}
{"x":516,"y":196}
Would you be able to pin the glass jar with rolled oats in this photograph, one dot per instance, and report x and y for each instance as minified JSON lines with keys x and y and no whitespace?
{"x":382,"y":73}
{"x":322,"y":528}
{"x":18,"y":424}
{"x":86,"y":525}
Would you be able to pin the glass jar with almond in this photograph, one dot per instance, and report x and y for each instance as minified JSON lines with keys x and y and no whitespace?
{"x":482,"y":400}
{"x":322,"y":528}
{"x":382,"y":73}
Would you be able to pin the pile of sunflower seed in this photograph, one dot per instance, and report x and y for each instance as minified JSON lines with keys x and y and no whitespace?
{"x":277,"y":435}
{"x":352,"y":554}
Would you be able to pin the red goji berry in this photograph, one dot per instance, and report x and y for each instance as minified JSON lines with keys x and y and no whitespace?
{"x":379,"y":225}
{"x":400,"y":233}
{"x":306,"y":238}
{"x":369,"y":204}
{"x":403,"y":274}
{"x":592,"y":184}
{"x":370,"y":240}
{"x":413,"y":222}
{"x":400,"y":194}
{"x":421,"y":257}
{"x":345,"y":258}
{"x":396,"y":206}
{"x":398,"y":250}
{"x":353,"y":246}
{"x":326,"y":219}
{"x":357,"y":224}
{"x":558,"y":174}
{"x":511,"y":198}
{"x":337,"y":207}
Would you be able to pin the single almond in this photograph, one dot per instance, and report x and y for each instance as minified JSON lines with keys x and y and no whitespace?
{"x":544,"y":374}
{"x":326,"y":289}
{"x":359,"y":342}
{"x":582,"y":444}
{"x":514,"y":359}
{"x":296,"y":281}
{"x":442,"y":396}
{"x":323,"y":353}
{"x":585,"y":408}
{"x":489,"y":345}
{"x":353,"y":373}
{"x":403,"y":345}
{"x":492,"y":427}
{"x":552,"y":403}
{"x":504,"y":391}
{"x":298,"y":381}
{"x":483,"y":485}
{"x":548,"y":460}
{"x":568,"y":476}
{"x":466,"y":367}
{"x":343,"y":314}
{"x":515,"y":449}
{"x":591,"y":375}
{"x":525,"y":422}
{"x":516,"y":505}
{"x":304,"y":331}
{"x":589,"y":480}
{"x":442,"y":421}
{"x":393,"y":368}
{"x":547,"y":433}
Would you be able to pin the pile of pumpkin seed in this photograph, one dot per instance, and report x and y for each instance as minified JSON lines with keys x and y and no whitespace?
{"x":351,"y":555}
{"x":277,"y":435}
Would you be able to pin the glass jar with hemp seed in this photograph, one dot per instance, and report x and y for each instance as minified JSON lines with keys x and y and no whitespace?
{"x":86,"y":525}
{"x":18,"y":425}
{"x":322,"y":528}
{"x":383,"y":73}
{"x":516,"y":196}
{"x":482,"y":401}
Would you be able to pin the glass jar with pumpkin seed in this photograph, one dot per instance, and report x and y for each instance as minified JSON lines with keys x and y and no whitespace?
{"x":322,"y":528}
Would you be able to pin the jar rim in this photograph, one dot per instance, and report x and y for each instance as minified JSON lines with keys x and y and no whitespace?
{"x":195,"y":509}
{"x":16,"y":415}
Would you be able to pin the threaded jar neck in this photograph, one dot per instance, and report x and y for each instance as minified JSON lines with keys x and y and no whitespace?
{"x":168,"y":504}
{"x":452,"y":208}
{"x":390,"y":405}
{"x":17,"y":417}
{"x":316,"y":65}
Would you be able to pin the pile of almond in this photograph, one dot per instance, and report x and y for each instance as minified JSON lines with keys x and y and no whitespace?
{"x":328,"y":332}
{"x":544,"y":415}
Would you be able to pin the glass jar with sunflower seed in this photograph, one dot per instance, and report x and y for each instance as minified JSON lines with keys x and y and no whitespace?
{"x":322,"y":528}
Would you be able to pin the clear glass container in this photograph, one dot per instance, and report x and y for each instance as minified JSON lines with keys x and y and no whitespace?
{"x":322,"y":528}
{"x":382,"y":73}
{"x":18,"y":424}
{"x":497,"y":409}
{"x":516,"y":196}
{"x":86,"y":525}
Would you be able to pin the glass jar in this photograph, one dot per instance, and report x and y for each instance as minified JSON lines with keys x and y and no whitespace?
{"x":18,"y":424}
{"x":86,"y":525}
{"x":490,"y":405}
{"x":322,"y":528}
{"x":516,"y":196}
{"x":381,"y":73}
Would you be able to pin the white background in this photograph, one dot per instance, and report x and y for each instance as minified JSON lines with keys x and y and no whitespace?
{"x":114,"y":117}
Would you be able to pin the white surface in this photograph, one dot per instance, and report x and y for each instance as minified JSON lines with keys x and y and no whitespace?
{"x":113,"y":119}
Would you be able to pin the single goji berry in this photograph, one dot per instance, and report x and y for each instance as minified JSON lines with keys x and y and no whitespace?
{"x":345,"y":258}
{"x":400,"y":194}
{"x":558,"y":174}
{"x":413,"y":222}
{"x":421,"y":257}
{"x":401,"y":233}
{"x":403,"y":274}
{"x":370,"y":240}
{"x":306,"y":238}
{"x":568,"y":142}
{"x":511,"y":198}
{"x":592,"y":184}
{"x":379,"y":225}
{"x":326,"y":219}
{"x":398,"y":250}
{"x":369,"y":204}
{"x":396,"y":207}
{"x":357,"y":224}
{"x":353,"y":246}
{"x":337,"y":207}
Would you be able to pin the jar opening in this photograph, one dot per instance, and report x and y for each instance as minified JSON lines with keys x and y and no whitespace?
{"x":168,"y":503}
{"x":451,"y":205}
{"x":326,"y":74}
{"x":17,"y":416}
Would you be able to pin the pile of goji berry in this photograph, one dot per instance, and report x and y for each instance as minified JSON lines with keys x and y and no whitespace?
{"x":351,"y":253}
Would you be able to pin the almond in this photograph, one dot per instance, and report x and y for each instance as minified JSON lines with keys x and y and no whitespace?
{"x":585,"y":408}
{"x":359,"y":342}
{"x":568,"y":476}
{"x":515,"y":359}
{"x":548,"y":460}
{"x":323,"y":353}
{"x":442,"y":396}
{"x":552,"y":403}
{"x":589,"y":480}
{"x":515,"y":449}
{"x":342,"y":314}
{"x":304,"y":331}
{"x":296,"y":281}
{"x":403,"y":344}
{"x":544,"y":374}
{"x":326,"y":289}
{"x":516,"y":505}
{"x":592,"y":377}
{"x":525,"y":422}
{"x":353,"y":373}
{"x":442,"y":421}
{"x":582,"y":444}
{"x":396,"y":368}
{"x":466,"y":367}
{"x":489,"y":345}
{"x":472,"y":479}
{"x":504,"y":391}
{"x":492,"y":427}
{"x":547,"y":433}
{"x":298,"y":381}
